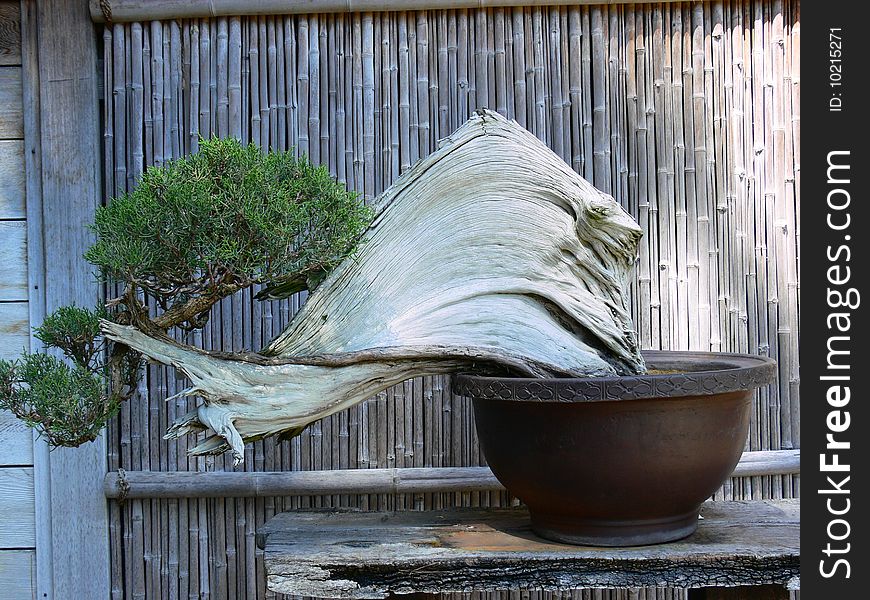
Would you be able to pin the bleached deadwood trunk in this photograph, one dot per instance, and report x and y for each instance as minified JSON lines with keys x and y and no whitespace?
{"x":491,"y":251}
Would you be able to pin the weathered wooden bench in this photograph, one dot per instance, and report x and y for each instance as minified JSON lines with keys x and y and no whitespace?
{"x":745,"y":550}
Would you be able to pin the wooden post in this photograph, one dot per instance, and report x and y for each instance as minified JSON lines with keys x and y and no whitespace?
{"x":62,"y":137}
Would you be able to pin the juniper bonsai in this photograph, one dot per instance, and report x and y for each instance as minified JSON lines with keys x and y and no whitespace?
{"x":490,"y":253}
{"x":69,"y":403}
{"x":221,"y":220}
{"x":190,"y":233}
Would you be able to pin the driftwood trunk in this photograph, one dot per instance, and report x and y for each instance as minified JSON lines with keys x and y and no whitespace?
{"x":491,"y":251}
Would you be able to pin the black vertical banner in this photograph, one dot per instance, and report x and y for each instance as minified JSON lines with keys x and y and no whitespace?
{"x":834,"y":174}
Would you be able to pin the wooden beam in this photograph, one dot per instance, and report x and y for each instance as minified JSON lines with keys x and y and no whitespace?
{"x":121,"y":11}
{"x":187,"y":484}
{"x":63,"y":181}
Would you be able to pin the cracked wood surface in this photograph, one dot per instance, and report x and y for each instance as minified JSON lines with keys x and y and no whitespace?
{"x":335,"y":554}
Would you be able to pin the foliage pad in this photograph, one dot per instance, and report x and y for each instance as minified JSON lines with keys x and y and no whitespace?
{"x":192,"y":232}
{"x":207,"y":225}
{"x":68,"y":404}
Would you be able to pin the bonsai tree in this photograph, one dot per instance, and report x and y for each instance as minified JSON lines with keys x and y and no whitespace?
{"x":490,"y":254}
{"x":191,"y":233}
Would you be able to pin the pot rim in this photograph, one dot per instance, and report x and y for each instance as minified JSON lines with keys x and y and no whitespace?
{"x":703,"y":374}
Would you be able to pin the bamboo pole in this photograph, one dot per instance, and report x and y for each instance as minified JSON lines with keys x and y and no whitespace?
{"x":384,"y":103}
{"x":423,"y":111}
{"x":269,"y":71}
{"x":291,"y":97}
{"x":172,"y":50}
{"x":221,"y":59}
{"x":118,"y":11}
{"x":395,"y":166}
{"x":220,"y":484}
{"x":404,"y":116}
{"x":540,"y":102}
{"x":303,"y":66}
{"x":688,"y":182}
{"x":462,"y":80}
{"x":618,"y":70}
{"x":600,"y":140}
{"x":565,"y":92}
{"x":152,"y":79}
{"x":234,"y":78}
{"x":314,"y":89}
{"x":442,"y":62}
{"x":278,"y":96}
{"x":648,"y":262}
{"x":205,"y":79}
{"x":586,"y":90}
{"x":555,"y":78}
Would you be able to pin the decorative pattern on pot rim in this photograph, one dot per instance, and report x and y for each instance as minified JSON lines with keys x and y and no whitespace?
{"x":753,"y":372}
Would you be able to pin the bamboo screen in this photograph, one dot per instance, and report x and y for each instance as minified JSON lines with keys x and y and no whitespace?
{"x":687,"y":113}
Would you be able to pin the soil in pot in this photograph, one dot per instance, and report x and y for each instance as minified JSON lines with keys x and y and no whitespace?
{"x":619,"y":461}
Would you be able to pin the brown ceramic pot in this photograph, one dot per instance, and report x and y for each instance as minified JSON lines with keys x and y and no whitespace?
{"x":619,"y":461}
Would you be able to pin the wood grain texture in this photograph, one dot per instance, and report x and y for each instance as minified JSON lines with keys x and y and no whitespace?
{"x":11,"y":123}
{"x":14,"y":329}
{"x":374,"y":554}
{"x":11,"y":179}
{"x":16,"y":574}
{"x":17,"y":501}
{"x":13,"y":267}
{"x":10,"y":32}
{"x":72,"y":513}
{"x":43,"y":573}
{"x":17,"y":438}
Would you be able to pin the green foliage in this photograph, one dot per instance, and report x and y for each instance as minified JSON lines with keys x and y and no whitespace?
{"x":75,"y":331}
{"x":67,"y":404}
{"x":192,"y":232}
{"x":224,"y":218}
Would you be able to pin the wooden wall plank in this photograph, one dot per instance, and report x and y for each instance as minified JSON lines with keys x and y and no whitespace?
{"x":63,"y":124}
{"x":16,"y":502}
{"x":14,"y":330}
{"x":16,"y":574}
{"x":41,"y":581}
{"x":13,"y":266}
{"x":11,"y":179}
{"x":16,"y":440}
{"x":10,"y":32}
{"x":11,"y":124}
